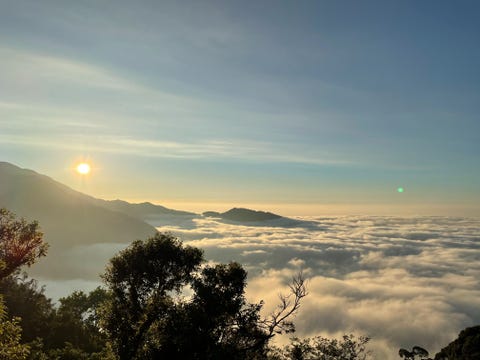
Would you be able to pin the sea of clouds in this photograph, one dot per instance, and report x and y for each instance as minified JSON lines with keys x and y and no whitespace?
{"x":402,"y":281}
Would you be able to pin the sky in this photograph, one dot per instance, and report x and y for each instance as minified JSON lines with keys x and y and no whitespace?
{"x":298,"y":107}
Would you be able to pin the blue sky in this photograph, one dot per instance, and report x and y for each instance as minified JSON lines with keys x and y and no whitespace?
{"x":247,"y":102}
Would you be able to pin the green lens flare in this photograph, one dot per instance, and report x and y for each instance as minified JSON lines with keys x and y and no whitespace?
{"x":400,"y":190}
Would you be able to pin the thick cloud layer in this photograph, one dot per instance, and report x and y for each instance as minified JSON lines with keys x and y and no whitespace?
{"x":402,"y":281}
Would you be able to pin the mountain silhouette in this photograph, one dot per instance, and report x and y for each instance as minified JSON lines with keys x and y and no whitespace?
{"x":84,"y":232}
{"x":249,"y":217}
{"x":243,"y":215}
{"x":144,"y":211}
{"x":67,"y":217}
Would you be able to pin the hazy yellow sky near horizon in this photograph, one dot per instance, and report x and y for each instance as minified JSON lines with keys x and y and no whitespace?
{"x":133,"y":188}
{"x":309,"y":209}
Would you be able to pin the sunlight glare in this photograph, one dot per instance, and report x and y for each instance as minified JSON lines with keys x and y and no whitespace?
{"x":83,"y":168}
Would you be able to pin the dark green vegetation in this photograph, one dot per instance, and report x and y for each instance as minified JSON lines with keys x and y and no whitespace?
{"x":161,"y":301}
{"x":320,"y":348}
{"x":149,"y":315}
{"x":417,"y":353}
{"x":53,"y":332}
{"x":465,"y":347}
{"x":21,"y":243}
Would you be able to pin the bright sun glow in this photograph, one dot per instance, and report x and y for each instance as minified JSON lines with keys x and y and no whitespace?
{"x":83,"y":168}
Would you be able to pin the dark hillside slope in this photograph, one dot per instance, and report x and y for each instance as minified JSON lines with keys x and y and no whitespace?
{"x":465,"y":347}
{"x":142,"y":211}
{"x":67,"y":217}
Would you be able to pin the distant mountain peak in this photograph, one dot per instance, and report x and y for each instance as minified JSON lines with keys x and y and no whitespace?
{"x":243,"y":215}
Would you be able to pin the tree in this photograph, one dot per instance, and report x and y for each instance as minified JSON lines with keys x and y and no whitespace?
{"x":165,"y":304}
{"x":69,"y":332}
{"x":217,"y":322}
{"x":278,"y":321}
{"x":465,"y":347}
{"x":21,"y":243}
{"x":142,"y":280}
{"x":320,"y":348}
{"x":411,"y":355}
{"x":10,"y":335}
{"x":26,"y":300}
{"x":77,"y":322}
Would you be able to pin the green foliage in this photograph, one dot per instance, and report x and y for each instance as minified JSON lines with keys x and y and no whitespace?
{"x":149,"y":316}
{"x":23,"y":298}
{"x":55,"y":333}
{"x":465,"y":347}
{"x":143,"y":280}
{"x":21,"y":243}
{"x":216,"y":323}
{"x":320,"y":348}
{"x":78,"y":318}
{"x":10,"y":336}
{"x":412,"y":355}
{"x":67,"y":351}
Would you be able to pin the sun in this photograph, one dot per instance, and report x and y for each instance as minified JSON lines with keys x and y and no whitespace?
{"x":83,"y":168}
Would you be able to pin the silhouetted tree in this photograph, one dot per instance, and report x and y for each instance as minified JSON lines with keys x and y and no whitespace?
{"x":10,"y":335}
{"x":150,"y":316}
{"x":320,"y":348}
{"x":142,"y":280}
{"x":77,"y":321}
{"x":26,"y":300}
{"x":465,"y":347}
{"x":21,"y":243}
{"x":278,"y":322}
{"x":69,"y":332}
{"x":412,"y":355}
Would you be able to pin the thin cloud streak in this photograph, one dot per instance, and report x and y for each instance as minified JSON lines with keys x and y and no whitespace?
{"x":210,"y":150}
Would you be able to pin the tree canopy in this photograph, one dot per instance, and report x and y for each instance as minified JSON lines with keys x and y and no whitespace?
{"x":321,"y":348}
{"x":21,"y":243}
{"x":465,"y":347}
{"x":166,"y":303}
{"x":416,"y":353}
{"x":11,"y":347}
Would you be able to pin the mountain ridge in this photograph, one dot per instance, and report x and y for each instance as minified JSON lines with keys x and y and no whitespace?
{"x":61,"y":210}
{"x":243,"y":215}
{"x":141,"y":210}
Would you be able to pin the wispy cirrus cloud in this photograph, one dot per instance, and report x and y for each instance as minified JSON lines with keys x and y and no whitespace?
{"x":97,"y":142}
{"x":60,"y":103}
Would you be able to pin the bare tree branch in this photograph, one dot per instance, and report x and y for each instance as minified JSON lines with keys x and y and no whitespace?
{"x":277,"y":322}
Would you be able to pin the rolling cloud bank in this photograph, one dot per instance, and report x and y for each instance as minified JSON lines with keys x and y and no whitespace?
{"x":403,"y":281}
